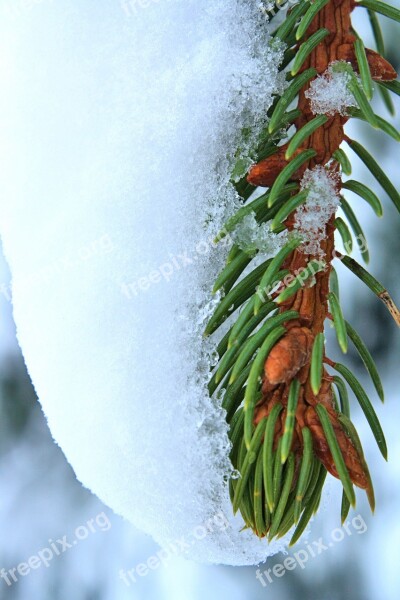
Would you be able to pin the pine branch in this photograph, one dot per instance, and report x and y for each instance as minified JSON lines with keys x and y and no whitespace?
{"x":287,"y":429}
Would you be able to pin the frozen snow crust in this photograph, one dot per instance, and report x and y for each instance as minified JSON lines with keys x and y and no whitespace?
{"x":117,"y":133}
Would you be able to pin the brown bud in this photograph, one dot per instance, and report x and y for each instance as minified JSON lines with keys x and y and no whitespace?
{"x":266,"y":171}
{"x":381,"y":69}
{"x":289,"y":355}
{"x":353,"y":461}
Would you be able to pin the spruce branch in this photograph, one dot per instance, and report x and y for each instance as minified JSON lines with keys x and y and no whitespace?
{"x":287,"y":428}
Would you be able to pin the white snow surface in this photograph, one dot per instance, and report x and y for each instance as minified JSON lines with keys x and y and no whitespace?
{"x":117,"y":126}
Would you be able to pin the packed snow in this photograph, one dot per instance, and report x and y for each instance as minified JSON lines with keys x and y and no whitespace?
{"x":329,"y":93}
{"x":118,"y":126}
{"x":323,"y":199}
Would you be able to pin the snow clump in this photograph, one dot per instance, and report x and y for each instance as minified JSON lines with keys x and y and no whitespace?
{"x":329,"y":93}
{"x":322,"y":202}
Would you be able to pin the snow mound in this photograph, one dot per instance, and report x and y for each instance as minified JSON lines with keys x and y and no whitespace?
{"x":117,"y":129}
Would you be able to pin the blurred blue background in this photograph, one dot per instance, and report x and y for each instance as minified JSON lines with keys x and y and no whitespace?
{"x":41,"y":501}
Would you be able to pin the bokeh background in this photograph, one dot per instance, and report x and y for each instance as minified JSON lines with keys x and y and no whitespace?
{"x":41,"y":500}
